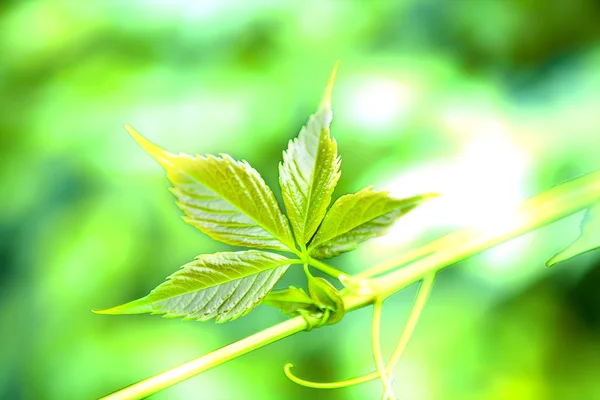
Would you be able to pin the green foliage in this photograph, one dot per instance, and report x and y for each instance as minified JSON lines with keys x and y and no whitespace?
{"x":86,"y":220}
{"x":589,"y":238}
{"x":310,"y":170}
{"x":229,"y":201}
{"x":327,"y":298}
{"x":224,"y":198}
{"x":354,"y":218}
{"x":221,"y":285}
{"x":292,"y":301}
{"x":324,"y":301}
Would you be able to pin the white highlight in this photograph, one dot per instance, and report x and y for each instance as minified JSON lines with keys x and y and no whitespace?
{"x":380,"y":104}
{"x":479,"y":187}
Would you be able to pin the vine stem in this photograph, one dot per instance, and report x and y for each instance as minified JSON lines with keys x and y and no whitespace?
{"x":376,"y":347}
{"x":554,"y":204}
{"x":411,"y":323}
{"x":178,"y":374}
{"x":545,"y":208}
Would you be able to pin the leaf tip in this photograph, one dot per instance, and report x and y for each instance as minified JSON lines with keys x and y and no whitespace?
{"x":107,"y":311}
{"x":557,"y":258}
{"x":118,"y":310}
{"x":430,"y":196}
{"x":133,"y":307}
{"x":326,"y":101}
{"x":158,"y":153}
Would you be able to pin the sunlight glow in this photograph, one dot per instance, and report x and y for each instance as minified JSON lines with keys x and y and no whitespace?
{"x":479,"y":187}
{"x":380,"y":104}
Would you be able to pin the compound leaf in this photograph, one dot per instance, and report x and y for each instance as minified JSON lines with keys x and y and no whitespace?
{"x":224,"y":198}
{"x":224,"y":286}
{"x":310,"y":171}
{"x":588,"y":240}
{"x":356,"y":217}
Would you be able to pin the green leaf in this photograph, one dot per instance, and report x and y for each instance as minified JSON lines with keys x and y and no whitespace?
{"x":588,"y":240}
{"x":356,"y":217}
{"x":310,"y":171}
{"x":224,"y":198}
{"x":224,"y":286}
{"x":324,"y":302}
{"x":292,"y":301}
{"x":326,"y":297}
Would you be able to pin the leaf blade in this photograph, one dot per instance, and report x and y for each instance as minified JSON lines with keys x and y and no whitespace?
{"x":292,"y":301}
{"x":310,"y":170}
{"x":588,"y":239}
{"x":224,"y":286}
{"x":226,"y":199}
{"x":357,"y":217}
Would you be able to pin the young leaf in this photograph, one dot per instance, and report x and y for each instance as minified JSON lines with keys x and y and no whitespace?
{"x":356,"y":217}
{"x":588,"y":240}
{"x":291,"y":301}
{"x":310,"y":170}
{"x":224,"y":286}
{"x":326,"y":297}
{"x":224,"y":198}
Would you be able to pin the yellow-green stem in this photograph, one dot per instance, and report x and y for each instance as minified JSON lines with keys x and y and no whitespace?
{"x":543,"y":209}
{"x":376,"y":347}
{"x":178,"y":374}
{"x":411,"y":323}
{"x":326,"y":269}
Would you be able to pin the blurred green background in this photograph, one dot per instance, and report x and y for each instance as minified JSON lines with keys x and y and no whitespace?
{"x":487,"y":102}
